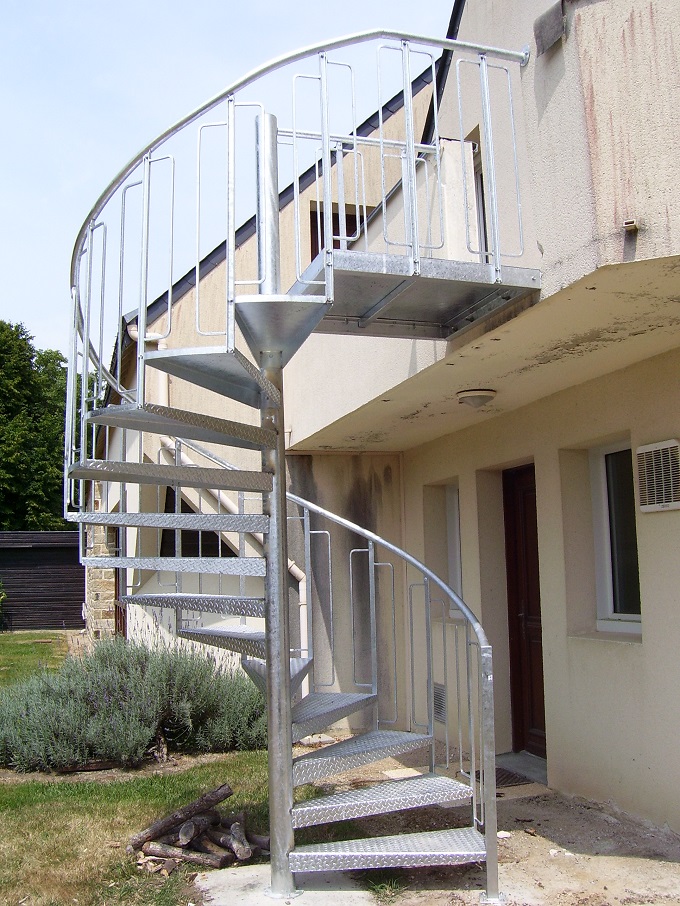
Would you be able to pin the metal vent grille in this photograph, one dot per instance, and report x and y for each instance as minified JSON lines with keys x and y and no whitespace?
{"x":658,"y":467}
{"x":440,"y":702}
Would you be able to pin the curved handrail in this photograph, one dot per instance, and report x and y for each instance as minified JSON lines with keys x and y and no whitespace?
{"x":404,"y":555}
{"x":368,"y":535}
{"x":259,"y":72}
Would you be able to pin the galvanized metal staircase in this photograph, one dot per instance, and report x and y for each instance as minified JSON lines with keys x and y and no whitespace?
{"x":129,"y":443}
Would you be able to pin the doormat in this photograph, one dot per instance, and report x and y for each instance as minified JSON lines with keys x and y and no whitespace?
{"x":506,"y":779}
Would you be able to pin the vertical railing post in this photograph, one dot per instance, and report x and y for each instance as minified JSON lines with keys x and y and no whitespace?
{"x":488,"y":758}
{"x":489,"y":157}
{"x":144,"y":281}
{"x":307,"y":528}
{"x":430,"y":673}
{"x":71,"y":400}
{"x":85,"y":363}
{"x":327,"y":176}
{"x":231,"y":224}
{"x":373,"y":628}
{"x":280,"y":743}
{"x":412,"y":232}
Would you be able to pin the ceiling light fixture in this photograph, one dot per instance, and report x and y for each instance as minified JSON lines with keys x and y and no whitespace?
{"x":476,"y":398}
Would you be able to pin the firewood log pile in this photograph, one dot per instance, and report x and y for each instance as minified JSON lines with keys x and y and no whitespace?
{"x":199,"y":834}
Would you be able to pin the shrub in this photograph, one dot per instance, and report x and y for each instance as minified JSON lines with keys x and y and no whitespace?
{"x":116,"y":703}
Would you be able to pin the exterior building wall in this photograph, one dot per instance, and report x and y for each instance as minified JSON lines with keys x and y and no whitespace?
{"x":594,"y":359}
{"x":366,"y":490}
{"x":610,"y":730}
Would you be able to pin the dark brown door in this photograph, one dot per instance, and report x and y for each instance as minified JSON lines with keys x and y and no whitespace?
{"x":524,"y":611}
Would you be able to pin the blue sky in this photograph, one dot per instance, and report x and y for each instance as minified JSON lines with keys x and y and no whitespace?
{"x":85,"y":85}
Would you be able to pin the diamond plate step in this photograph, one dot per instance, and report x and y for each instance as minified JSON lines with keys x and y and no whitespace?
{"x":281,"y":322}
{"x":445,"y":847}
{"x":241,"y":639}
{"x":392,"y":796}
{"x":180,"y":423}
{"x":216,"y":522}
{"x":237,"y":606}
{"x":321,"y":709}
{"x":354,"y":752}
{"x":224,"y":371}
{"x":173,"y":476}
{"x":224,"y":566}
{"x":257,"y":671}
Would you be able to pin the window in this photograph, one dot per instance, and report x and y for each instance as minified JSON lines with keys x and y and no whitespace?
{"x":617,"y":574}
{"x":317,"y":233}
{"x":192,"y":543}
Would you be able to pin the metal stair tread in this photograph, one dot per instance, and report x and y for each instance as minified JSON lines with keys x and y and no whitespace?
{"x":218,"y":522}
{"x":217,"y":368}
{"x":455,"y":846}
{"x":226,"y":566}
{"x":235,"y":605}
{"x":354,"y":752}
{"x":388,"y":796}
{"x":173,"y":476}
{"x":181,"y":423}
{"x":321,"y":709}
{"x":238,"y":638}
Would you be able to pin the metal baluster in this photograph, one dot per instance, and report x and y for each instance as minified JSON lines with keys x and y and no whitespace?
{"x":487,"y":142}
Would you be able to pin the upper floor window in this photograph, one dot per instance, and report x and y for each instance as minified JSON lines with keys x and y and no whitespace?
{"x":617,"y":573}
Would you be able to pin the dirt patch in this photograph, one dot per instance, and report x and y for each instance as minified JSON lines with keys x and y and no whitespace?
{"x":553,"y":851}
{"x":176,"y":764}
{"x":561,"y":851}
{"x":79,"y":642}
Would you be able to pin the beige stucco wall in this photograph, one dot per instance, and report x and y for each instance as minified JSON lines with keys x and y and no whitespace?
{"x":599,"y":123}
{"x":610,"y":731}
{"x":367,"y":491}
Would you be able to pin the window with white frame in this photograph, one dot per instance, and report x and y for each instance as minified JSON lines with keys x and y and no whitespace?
{"x":617,"y":575}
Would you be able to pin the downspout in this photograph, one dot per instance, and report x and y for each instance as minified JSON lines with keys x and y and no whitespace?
{"x":163,"y":393}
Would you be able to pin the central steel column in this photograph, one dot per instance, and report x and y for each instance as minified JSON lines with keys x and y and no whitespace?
{"x":280,"y":741}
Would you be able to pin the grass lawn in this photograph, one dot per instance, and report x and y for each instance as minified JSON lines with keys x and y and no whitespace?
{"x":24,"y":653}
{"x":65,"y":841}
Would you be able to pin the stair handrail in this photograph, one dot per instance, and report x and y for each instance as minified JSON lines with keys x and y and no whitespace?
{"x":402,"y":554}
{"x":498,"y":53}
{"x":460,"y":604}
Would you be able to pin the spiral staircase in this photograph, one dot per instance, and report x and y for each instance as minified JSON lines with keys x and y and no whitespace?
{"x":115,"y":463}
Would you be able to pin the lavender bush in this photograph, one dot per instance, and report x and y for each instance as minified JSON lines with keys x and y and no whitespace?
{"x":122,"y":701}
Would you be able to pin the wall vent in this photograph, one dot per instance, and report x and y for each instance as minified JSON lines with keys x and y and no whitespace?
{"x":440,"y":702}
{"x":658,"y":467}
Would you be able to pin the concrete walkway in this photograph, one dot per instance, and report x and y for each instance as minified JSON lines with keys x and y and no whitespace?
{"x":246,"y":886}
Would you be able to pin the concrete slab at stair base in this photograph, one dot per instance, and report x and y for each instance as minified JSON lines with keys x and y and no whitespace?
{"x":246,"y":885}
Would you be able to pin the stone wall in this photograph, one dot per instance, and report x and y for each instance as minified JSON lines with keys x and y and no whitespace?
{"x":100,"y":584}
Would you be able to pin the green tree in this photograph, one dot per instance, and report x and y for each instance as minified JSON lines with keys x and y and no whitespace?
{"x":32,"y":404}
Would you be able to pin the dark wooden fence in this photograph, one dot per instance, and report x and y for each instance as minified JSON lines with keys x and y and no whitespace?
{"x":43,"y":580}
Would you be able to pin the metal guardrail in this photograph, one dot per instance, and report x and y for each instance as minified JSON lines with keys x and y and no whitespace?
{"x":135,"y":244}
{"x":441,"y":627}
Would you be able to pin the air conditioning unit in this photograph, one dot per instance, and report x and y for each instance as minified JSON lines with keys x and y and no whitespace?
{"x":658,"y":468}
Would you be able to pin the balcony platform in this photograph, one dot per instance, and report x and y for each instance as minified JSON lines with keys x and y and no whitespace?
{"x":379,"y":295}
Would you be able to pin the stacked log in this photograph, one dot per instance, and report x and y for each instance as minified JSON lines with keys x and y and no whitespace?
{"x":198,"y":834}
